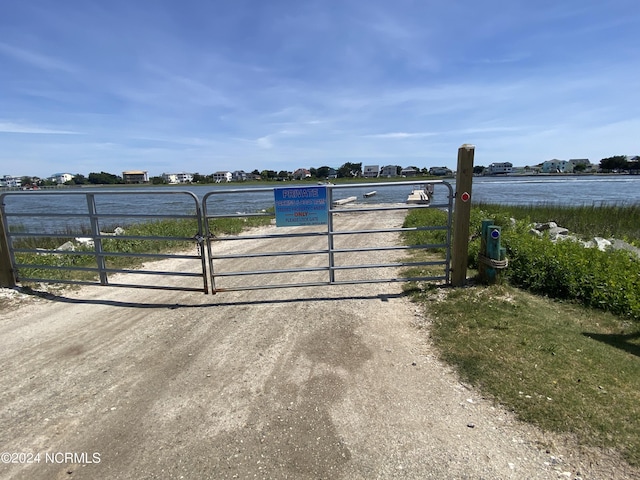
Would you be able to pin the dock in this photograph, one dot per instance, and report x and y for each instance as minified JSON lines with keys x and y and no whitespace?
{"x":418,"y":196}
{"x":344,"y":201}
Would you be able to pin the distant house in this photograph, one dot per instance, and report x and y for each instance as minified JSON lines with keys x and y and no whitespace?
{"x":169,"y":177}
{"x":389,"y":171}
{"x":500,"y":168}
{"x":301,"y":174}
{"x":371,"y":171}
{"x":222,"y":176}
{"x":440,"y":171}
{"x":10,"y":181}
{"x":239,"y":176}
{"x":409,"y":172}
{"x":135,"y":176}
{"x":332,"y":173}
{"x":178,"y":177}
{"x":556,"y":166}
{"x":184,"y":177}
{"x":61,"y":178}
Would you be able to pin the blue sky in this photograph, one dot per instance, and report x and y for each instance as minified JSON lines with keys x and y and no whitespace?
{"x":200,"y":86}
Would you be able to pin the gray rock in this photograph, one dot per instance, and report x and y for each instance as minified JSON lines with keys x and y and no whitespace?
{"x":622,"y":245}
{"x":602,"y":243}
{"x":85,"y":242}
{"x":544,"y":226}
{"x":571,"y":238}
{"x":67,"y":247}
{"x":555,"y":232}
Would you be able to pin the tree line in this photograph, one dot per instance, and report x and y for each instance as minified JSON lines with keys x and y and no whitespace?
{"x":616,"y":163}
{"x":102,"y":178}
{"x":619,"y":163}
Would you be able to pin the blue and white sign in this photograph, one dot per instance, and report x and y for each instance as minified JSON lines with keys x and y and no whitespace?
{"x":297,"y":206}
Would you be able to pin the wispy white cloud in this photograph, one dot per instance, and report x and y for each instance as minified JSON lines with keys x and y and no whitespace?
{"x":285,"y":85}
{"x":35,"y":59}
{"x":463,"y":131}
{"x":400,"y":135}
{"x":12,"y":127}
{"x":265,"y":142}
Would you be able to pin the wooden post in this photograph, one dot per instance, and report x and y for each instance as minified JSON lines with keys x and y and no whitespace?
{"x":7,"y":279}
{"x":461,"y":215}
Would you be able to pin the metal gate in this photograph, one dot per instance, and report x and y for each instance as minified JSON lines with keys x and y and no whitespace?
{"x":320,"y":259}
{"x":61,"y":237}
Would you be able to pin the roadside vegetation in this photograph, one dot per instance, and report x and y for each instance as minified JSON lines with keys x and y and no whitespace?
{"x":176,"y":235}
{"x":558,"y":339}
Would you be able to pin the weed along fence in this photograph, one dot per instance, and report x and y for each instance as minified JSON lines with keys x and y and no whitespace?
{"x":90,"y":237}
{"x":319,"y":239}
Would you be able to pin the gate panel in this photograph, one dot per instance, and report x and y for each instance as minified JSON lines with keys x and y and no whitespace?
{"x":358,"y":244}
{"x":71,"y":236}
{"x":68,"y":237}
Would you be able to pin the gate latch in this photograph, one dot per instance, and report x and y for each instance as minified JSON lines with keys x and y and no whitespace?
{"x":198,"y":238}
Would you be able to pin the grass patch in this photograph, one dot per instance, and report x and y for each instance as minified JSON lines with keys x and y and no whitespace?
{"x":561,"y":366}
{"x":422,"y":217}
{"x":235,"y":225}
{"x":617,"y":221}
{"x":82,"y":264}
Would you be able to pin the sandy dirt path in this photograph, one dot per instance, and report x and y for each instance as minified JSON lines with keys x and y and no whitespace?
{"x":306,"y":383}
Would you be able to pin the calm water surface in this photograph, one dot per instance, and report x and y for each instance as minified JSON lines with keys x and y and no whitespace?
{"x":569,"y":190}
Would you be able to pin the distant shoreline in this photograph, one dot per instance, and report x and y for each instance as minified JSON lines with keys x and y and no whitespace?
{"x":340,"y":181}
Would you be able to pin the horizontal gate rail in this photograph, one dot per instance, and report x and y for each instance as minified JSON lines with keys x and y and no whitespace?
{"x":386,"y":230}
{"x":268,"y":272}
{"x":83,"y":211}
{"x":330,"y":234}
{"x":269,"y":254}
{"x":118,"y":237}
{"x":268,"y":235}
{"x":109,"y":254}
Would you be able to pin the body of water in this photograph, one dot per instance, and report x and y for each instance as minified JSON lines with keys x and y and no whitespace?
{"x":565,"y":190}
{"x":569,"y":190}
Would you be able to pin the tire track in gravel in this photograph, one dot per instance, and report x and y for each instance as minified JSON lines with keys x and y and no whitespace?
{"x":306,"y":383}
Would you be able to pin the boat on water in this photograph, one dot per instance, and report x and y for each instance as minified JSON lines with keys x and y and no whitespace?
{"x":420,"y":195}
{"x":369,"y":194}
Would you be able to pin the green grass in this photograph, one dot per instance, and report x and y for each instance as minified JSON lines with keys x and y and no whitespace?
{"x":563,"y":367}
{"x":170,"y":228}
{"x":618,"y":221}
{"x":560,"y":364}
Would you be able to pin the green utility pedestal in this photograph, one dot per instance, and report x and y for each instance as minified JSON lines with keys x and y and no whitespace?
{"x":492,"y":257}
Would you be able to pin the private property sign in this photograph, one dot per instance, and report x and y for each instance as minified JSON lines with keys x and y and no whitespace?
{"x":297,"y":206}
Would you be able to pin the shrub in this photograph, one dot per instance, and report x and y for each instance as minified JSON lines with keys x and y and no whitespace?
{"x":566,"y":270}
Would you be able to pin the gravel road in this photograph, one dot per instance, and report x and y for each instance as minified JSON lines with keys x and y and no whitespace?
{"x":299,"y":383}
